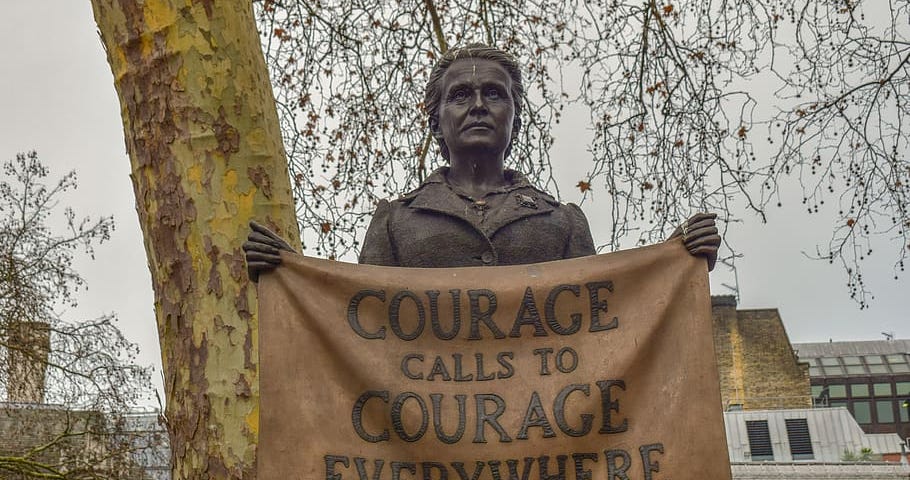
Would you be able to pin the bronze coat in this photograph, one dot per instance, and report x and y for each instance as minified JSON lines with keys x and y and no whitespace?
{"x":434,"y":226}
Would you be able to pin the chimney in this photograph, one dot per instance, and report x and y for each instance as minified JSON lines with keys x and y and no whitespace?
{"x":28,"y":346}
{"x":723,"y":301}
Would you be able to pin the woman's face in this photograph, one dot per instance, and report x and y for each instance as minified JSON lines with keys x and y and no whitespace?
{"x":476,"y":111}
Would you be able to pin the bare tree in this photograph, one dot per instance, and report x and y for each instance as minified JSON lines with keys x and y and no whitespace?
{"x":842,"y":131}
{"x":68,"y":384}
{"x":679,"y":96}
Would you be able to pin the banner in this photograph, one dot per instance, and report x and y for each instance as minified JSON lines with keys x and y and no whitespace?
{"x":597,"y":368}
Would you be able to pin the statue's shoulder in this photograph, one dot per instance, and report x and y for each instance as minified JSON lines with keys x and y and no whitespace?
{"x":433,"y":184}
{"x":544,"y":195}
{"x":407,"y":198}
{"x":521,"y":186}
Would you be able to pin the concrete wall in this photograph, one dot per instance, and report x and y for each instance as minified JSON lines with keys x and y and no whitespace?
{"x":820,"y":471}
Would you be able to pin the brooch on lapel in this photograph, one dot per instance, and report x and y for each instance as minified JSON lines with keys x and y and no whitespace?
{"x":526,"y":200}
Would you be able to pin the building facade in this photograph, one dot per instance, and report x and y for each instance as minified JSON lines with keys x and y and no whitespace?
{"x":39,"y":440}
{"x":776,"y":427}
{"x":869,"y":378}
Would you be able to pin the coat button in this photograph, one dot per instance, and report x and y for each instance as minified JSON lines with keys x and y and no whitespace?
{"x":487,"y":257}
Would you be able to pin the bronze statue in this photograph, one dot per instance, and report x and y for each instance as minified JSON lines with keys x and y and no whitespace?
{"x":475,"y":212}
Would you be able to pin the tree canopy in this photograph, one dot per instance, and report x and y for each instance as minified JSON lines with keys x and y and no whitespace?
{"x":693,"y":105}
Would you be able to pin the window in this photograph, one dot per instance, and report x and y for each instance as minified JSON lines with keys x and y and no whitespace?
{"x":852,"y":361}
{"x":855,"y":370}
{"x":884,"y":411}
{"x":903,"y":388}
{"x":859,"y":390}
{"x":882,"y":389}
{"x":820,"y":397}
{"x":900,"y":368}
{"x":878,"y":369}
{"x":862,"y":412}
{"x":838,"y":370}
{"x":800,"y":441}
{"x":759,"y":440}
{"x":815,"y":371}
{"x":838,"y":404}
{"x":829,"y":362}
{"x":897,"y":358}
{"x":837,"y":391}
{"x":903,"y":410}
{"x":873,"y":359}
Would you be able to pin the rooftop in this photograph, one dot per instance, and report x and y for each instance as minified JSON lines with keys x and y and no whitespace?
{"x":837,"y":349}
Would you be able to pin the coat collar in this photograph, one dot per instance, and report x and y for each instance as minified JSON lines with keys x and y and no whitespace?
{"x":436,"y":195}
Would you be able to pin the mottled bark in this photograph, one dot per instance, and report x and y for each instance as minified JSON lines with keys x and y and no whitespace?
{"x":204,"y":143}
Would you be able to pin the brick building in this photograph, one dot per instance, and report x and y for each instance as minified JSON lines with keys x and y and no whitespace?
{"x":51,"y":440}
{"x":756,"y":363}
{"x":41,"y":440}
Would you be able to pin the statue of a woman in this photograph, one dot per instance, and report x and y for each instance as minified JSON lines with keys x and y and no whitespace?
{"x":475,"y":212}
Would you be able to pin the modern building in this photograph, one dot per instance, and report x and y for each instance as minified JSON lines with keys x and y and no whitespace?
{"x":870,"y":378}
{"x":809,"y":444}
{"x":826,"y":435}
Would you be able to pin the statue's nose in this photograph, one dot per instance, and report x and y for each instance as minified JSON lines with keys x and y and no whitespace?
{"x":479,"y":103}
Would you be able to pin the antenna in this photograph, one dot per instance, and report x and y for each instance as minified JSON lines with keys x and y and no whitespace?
{"x":730,"y":263}
{"x":888,"y":335}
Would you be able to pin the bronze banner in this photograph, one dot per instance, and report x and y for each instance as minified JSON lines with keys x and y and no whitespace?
{"x":595,"y":368}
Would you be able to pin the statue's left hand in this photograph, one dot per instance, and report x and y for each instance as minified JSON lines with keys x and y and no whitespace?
{"x":263,"y":250}
{"x":699,"y":234}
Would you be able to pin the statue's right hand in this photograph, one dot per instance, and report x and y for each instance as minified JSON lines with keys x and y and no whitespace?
{"x":261,"y":250}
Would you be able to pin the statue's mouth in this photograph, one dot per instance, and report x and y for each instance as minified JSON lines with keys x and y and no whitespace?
{"x":480,"y":125}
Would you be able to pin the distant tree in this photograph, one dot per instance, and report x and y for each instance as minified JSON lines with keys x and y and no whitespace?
{"x":864,"y":455}
{"x":78,"y":378}
{"x":694,"y":105}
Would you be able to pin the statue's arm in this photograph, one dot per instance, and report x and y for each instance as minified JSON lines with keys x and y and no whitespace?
{"x":262,"y":250}
{"x":700,"y":235}
{"x":377,"y":243}
{"x":581,"y":242}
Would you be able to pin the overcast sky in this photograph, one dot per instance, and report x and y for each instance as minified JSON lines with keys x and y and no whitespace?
{"x":57,"y":97}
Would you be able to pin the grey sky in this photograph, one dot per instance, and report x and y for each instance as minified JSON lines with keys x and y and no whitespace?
{"x":57,"y":97}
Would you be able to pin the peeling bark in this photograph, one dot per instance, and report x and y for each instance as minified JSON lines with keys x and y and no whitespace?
{"x":205,"y":147}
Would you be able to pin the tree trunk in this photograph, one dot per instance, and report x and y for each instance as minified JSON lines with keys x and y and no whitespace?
{"x":205,"y":147}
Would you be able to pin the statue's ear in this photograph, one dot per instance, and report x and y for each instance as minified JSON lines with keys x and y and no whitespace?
{"x":433,"y":122}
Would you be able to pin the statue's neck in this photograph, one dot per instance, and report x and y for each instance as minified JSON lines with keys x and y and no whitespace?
{"x":477,"y":176}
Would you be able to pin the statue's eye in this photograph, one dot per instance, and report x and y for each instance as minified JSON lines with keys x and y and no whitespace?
{"x":459,"y":95}
{"x":493,"y":93}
